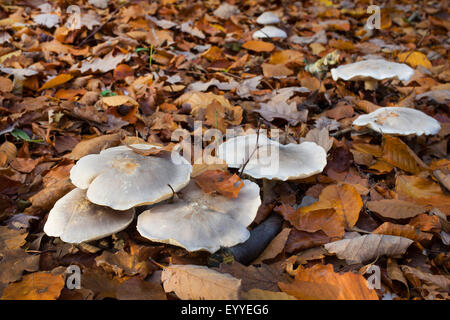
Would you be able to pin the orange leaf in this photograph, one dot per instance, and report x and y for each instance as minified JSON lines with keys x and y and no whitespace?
{"x":221,"y":182}
{"x":406,"y":231}
{"x":258,"y":46}
{"x":415,"y":59}
{"x":424,"y":222}
{"x":287,"y":56}
{"x":325,"y":219}
{"x":122,"y":71}
{"x":343,"y":198}
{"x":397,"y":153}
{"x":395,"y":209}
{"x":422,"y":191}
{"x":56,"y":81}
{"x":35,"y":286}
{"x":321,"y":282}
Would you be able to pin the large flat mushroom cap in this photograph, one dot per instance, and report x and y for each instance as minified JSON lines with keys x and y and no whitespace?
{"x":121,"y":178}
{"x":75,"y":219}
{"x":199,"y":221}
{"x":272,"y":160}
{"x":377,"y":69}
{"x":399,"y":120}
{"x":269,"y":32}
{"x":267,"y":18}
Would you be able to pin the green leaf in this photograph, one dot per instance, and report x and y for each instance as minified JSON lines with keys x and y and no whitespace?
{"x":20,"y":134}
{"x":141,"y":49}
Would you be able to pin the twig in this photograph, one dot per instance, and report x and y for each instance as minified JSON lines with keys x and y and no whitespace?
{"x":251,"y":155}
{"x":100,"y":27}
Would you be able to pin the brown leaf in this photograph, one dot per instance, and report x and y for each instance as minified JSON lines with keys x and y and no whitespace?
{"x":276,"y":70}
{"x":11,"y":239}
{"x":264,"y":277}
{"x":275,"y":247}
{"x":192,"y":282}
{"x":406,"y":231}
{"x":395,"y":209}
{"x":441,"y":281}
{"x":35,"y":286}
{"x":368,"y":247}
{"x":122,"y":263}
{"x":9,"y":151}
{"x":427,"y":223}
{"x":220,"y":117}
{"x":398,"y":154}
{"x":94,"y":145}
{"x":422,"y":191}
{"x":138,"y":289}
{"x":122,"y":71}
{"x":326,"y":220}
{"x":14,"y":262}
{"x":221,"y":182}
{"x":320,"y":137}
{"x":25,"y":165}
{"x":258,"y":294}
{"x":322,"y":283}
{"x":343,"y":198}
{"x":258,"y":46}
{"x":301,"y":240}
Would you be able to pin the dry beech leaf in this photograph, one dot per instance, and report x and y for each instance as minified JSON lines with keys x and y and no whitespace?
{"x":395,"y":273}
{"x":259,"y":294}
{"x":221,"y":182}
{"x":35,"y":286}
{"x":343,"y":198}
{"x":422,"y":191}
{"x":321,"y":283}
{"x":276,"y":70}
{"x":319,"y":136}
{"x":427,"y":223}
{"x":406,"y":231}
{"x":275,"y":247}
{"x":94,"y":145}
{"x":9,"y":151}
{"x":192,"y":282}
{"x":138,"y":289}
{"x":398,"y":154}
{"x":441,"y":281}
{"x":258,"y":46}
{"x":368,"y":247}
{"x":122,"y":263}
{"x":56,"y":81}
{"x":326,"y":220}
{"x":395,"y":209}
{"x":218,"y":116}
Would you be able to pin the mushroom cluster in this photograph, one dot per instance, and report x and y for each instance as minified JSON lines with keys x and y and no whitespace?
{"x":269,"y":31}
{"x":111,"y":184}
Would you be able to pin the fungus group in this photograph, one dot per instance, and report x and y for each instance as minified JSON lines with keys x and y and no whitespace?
{"x":111,"y":184}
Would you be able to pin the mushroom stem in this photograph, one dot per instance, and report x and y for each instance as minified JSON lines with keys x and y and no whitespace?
{"x":371,"y":84}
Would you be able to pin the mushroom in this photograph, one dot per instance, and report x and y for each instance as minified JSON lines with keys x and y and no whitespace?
{"x":19,"y":76}
{"x":269,"y":159}
{"x":372,"y":70}
{"x":75,"y":219}
{"x":121,"y":179}
{"x":269,"y":32}
{"x":267,"y":18}
{"x":201,"y":221}
{"x":399,"y":120}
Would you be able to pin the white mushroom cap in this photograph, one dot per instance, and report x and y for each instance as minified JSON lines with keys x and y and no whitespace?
{"x":375,"y":69}
{"x":272,"y":160}
{"x":267,"y":18}
{"x":121,"y":178}
{"x":399,"y":120}
{"x":200,"y":221}
{"x":75,"y":219}
{"x":269,"y":32}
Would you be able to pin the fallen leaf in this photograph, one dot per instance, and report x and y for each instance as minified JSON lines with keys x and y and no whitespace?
{"x":395,"y":209}
{"x":192,"y":282}
{"x":35,"y":286}
{"x":275,"y":247}
{"x":415,"y":59}
{"x":427,"y":223}
{"x":320,"y":137}
{"x":94,"y":145}
{"x":258,"y":294}
{"x":320,"y":282}
{"x":138,"y":289}
{"x":441,"y":281}
{"x":398,"y":154}
{"x":368,"y":247}
{"x":221,"y":182}
{"x":56,"y":81}
{"x":406,"y":231}
{"x":258,"y":46}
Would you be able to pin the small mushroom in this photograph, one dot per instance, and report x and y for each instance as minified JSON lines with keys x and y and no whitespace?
{"x":269,"y":32}
{"x":371,"y":71}
{"x":268,"y":159}
{"x":121,"y":179}
{"x":19,"y":76}
{"x":268,"y":18}
{"x":75,"y":219}
{"x":399,"y":120}
{"x":200,"y":221}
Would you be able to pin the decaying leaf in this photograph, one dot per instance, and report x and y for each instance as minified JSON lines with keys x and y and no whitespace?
{"x":395,"y":209}
{"x":221,"y":182}
{"x":368,"y":247}
{"x":406,"y":231}
{"x":35,"y":286}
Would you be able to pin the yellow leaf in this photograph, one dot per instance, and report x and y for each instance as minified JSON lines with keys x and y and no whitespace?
{"x":415,"y":59}
{"x":398,"y":154}
{"x":56,"y":81}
